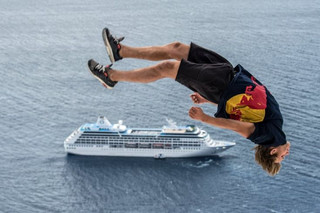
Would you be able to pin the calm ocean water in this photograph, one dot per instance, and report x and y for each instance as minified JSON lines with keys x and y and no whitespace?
{"x":47,"y":92}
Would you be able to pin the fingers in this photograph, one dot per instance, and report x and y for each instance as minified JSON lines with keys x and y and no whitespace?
{"x":195,"y":112}
{"x":191,"y":112}
{"x":195,"y":98}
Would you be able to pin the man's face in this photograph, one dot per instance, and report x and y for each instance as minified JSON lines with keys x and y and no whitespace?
{"x":281,"y":152}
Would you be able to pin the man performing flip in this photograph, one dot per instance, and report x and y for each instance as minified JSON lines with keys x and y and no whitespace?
{"x":244,"y":104}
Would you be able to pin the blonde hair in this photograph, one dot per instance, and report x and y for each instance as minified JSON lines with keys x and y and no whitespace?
{"x":266,"y":161}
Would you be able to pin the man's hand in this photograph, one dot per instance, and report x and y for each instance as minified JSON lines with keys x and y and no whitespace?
{"x":196,"y":113}
{"x":197,"y":98}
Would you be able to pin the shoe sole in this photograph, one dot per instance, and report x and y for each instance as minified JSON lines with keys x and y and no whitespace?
{"x":101,"y":81}
{"x":107,"y":45}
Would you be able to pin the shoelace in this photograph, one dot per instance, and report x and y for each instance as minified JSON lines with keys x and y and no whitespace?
{"x":99,"y":67}
{"x":118,"y":40}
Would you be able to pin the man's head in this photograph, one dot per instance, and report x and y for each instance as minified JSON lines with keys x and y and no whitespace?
{"x":269,"y":158}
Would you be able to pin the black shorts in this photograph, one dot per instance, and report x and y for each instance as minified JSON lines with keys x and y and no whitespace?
{"x":205,"y":72}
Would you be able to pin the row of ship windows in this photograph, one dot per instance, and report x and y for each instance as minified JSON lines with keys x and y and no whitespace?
{"x":121,"y":146}
{"x":133,"y":141}
{"x":145,"y":144}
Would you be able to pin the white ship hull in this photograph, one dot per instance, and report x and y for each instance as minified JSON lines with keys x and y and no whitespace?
{"x":155,"y":153}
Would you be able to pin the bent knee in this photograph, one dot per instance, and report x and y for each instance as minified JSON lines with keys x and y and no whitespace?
{"x":167,"y":69}
{"x":178,"y":50}
{"x":165,"y":66}
{"x":175,"y":46}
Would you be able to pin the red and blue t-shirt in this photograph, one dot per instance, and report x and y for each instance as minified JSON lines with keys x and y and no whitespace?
{"x":246,"y":99}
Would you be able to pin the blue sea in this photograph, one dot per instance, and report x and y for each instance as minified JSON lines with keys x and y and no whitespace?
{"x":46,"y":91}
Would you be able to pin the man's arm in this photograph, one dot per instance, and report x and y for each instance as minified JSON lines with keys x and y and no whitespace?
{"x":245,"y":129}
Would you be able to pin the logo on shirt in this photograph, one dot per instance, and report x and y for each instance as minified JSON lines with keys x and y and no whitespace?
{"x":249,"y":106}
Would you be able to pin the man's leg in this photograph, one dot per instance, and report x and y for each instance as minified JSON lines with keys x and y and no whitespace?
{"x":165,"y":69}
{"x":175,"y":50}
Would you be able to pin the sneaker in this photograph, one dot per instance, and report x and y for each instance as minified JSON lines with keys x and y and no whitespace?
{"x":101,"y":73}
{"x":112,"y":45}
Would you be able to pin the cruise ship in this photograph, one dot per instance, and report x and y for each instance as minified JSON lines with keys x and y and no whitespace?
{"x":105,"y":139}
